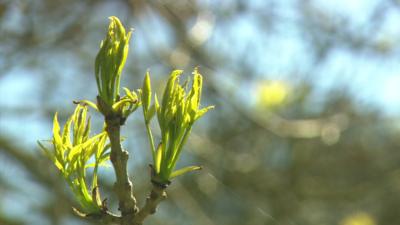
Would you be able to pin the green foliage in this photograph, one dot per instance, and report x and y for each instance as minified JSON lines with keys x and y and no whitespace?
{"x":179,"y":109}
{"x":111,"y":60}
{"x":109,"y":64}
{"x":72,"y":156}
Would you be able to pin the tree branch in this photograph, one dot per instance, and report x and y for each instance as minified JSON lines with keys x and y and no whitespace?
{"x":119,"y":159}
{"x":157,"y":195}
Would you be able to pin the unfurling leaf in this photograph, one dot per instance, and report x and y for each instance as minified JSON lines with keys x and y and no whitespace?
{"x":184,"y":170}
{"x":71,"y":156}
{"x":176,"y":115}
{"x":146,"y":93}
{"x":110,"y":61}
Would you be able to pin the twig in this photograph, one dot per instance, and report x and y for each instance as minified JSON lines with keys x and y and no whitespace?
{"x":119,"y":159}
{"x":157,"y":195}
{"x":130,"y":214}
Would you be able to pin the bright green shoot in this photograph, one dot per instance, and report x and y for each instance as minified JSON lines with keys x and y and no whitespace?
{"x":109,"y":64}
{"x":111,"y":60}
{"x":178,"y":111}
{"x":72,"y":155}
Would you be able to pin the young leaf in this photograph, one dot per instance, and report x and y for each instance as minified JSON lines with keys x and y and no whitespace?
{"x":184,"y":170}
{"x":169,"y":89}
{"x":150,"y":113}
{"x":131,"y":95}
{"x":89,"y":103}
{"x":158,"y":110}
{"x":56,"y":131}
{"x":146,"y":93}
{"x":158,"y":160}
{"x":202,"y":111}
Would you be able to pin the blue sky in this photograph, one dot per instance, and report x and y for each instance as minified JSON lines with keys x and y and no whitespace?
{"x":372,"y":79}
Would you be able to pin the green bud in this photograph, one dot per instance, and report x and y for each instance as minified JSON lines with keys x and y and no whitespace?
{"x":146,"y":93}
{"x":176,"y":115}
{"x":110,"y":61}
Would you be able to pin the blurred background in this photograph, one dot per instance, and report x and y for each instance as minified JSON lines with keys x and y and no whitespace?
{"x":306,"y":129}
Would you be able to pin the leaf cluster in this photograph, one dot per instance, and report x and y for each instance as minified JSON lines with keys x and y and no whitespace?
{"x":179,"y":109}
{"x":72,"y":156}
{"x":110,"y":61}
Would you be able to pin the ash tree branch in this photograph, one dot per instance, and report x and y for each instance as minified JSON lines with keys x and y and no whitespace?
{"x":157,"y":195}
{"x":119,"y":159}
